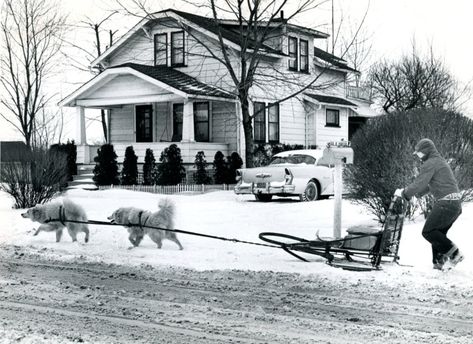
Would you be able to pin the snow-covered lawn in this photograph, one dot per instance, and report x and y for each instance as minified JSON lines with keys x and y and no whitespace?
{"x":223,"y":213}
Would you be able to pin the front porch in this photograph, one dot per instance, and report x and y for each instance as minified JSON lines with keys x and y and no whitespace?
{"x":154,"y":107}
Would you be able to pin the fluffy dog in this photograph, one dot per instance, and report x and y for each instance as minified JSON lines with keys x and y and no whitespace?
{"x":139,"y":222}
{"x":65,"y":209}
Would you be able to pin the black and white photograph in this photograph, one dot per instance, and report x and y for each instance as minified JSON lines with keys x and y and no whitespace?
{"x":236,"y":171}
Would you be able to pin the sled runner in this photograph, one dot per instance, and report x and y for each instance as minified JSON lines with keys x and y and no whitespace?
{"x":361,"y":249}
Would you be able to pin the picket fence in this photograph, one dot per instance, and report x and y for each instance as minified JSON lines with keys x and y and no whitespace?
{"x":170,"y":189}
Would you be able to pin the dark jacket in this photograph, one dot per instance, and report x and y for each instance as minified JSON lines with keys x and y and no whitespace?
{"x":435,"y":174}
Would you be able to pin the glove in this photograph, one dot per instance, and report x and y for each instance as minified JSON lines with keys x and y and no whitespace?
{"x":398,"y":192}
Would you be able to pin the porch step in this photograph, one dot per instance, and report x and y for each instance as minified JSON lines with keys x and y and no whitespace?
{"x":83,"y":178}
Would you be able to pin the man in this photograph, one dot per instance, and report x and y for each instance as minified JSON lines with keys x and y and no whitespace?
{"x":436,"y":176}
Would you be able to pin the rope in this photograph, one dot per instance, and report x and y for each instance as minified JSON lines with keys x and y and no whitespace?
{"x":62,"y":219}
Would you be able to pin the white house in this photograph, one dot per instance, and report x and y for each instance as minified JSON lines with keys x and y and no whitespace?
{"x":160,"y":86}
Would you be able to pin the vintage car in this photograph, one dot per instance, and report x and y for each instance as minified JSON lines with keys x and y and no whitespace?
{"x":301,"y":173}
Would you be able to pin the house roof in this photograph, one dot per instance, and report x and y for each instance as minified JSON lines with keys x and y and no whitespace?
{"x":331,"y":100}
{"x":12,"y":151}
{"x":333,"y":60}
{"x":174,"y":81}
{"x":177,"y":80}
{"x":228,"y":34}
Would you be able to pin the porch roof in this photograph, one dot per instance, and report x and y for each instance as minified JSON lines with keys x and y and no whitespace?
{"x":329,"y":100}
{"x":172,"y":80}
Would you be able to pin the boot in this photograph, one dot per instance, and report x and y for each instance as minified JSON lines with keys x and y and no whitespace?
{"x":454,"y":256}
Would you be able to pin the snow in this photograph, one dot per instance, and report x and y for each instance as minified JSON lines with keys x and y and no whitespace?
{"x":222,"y":213}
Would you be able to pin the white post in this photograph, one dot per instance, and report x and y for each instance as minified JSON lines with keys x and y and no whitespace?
{"x":188,"y":122}
{"x":337,"y":188}
{"x":81,"y":137}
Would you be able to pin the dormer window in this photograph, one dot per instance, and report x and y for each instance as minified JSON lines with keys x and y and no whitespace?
{"x":177,"y":49}
{"x":293,"y":53}
{"x":161,"y":49}
{"x":304,"y":55}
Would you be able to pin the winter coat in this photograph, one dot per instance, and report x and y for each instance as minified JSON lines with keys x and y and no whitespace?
{"x":435,"y":174}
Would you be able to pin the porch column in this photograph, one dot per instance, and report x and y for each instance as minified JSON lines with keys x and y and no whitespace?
{"x":81,"y":138}
{"x":188,"y":122}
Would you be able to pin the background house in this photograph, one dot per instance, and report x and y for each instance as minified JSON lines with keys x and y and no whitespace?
{"x":161,"y":85}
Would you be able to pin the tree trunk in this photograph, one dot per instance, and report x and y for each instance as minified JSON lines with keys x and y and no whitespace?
{"x":248,"y":130}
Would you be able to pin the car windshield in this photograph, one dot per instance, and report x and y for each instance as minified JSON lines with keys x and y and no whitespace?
{"x":293,"y":159}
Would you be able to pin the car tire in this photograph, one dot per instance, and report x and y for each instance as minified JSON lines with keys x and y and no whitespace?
{"x":264,"y":198}
{"x":311,"y":192}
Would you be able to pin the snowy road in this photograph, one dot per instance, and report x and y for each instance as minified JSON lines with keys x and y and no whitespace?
{"x":46,"y":301}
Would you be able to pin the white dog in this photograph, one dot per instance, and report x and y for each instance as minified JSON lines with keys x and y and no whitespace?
{"x":139,"y":221}
{"x":65,"y":209}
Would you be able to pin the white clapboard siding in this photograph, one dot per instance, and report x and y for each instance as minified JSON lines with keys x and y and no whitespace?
{"x":138,"y":49}
{"x":122,"y":124}
{"x":292,"y":118}
{"x":327,"y":134}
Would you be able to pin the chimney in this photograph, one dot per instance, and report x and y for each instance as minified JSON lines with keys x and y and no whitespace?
{"x":282,"y":15}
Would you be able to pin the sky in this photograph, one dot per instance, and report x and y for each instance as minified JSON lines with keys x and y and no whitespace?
{"x":391,"y":25}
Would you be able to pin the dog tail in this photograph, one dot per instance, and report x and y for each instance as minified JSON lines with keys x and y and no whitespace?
{"x":166,"y":205}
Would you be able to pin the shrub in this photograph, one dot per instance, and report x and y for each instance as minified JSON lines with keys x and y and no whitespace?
{"x":106,"y":167}
{"x":130,"y":167}
{"x":70,"y":150}
{"x":170,"y":170}
{"x":220,"y":168}
{"x":149,"y":168}
{"x":234,"y":162}
{"x":36,"y":178}
{"x":201,"y":176}
{"x":383,"y":153}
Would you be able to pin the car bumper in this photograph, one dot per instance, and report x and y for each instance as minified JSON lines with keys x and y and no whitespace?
{"x":268,"y":189}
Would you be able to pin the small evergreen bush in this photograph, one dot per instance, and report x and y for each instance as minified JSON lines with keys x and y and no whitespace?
{"x":221,"y":171}
{"x":130,"y":167}
{"x":106,"y":167}
{"x":171,"y":169}
{"x":70,"y":150}
{"x":201,"y":176}
{"x":149,"y":168}
{"x":234,"y":162}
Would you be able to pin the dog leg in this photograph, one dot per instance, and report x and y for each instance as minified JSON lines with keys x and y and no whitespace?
{"x":37,"y":231}
{"x":58,"y":234}
{"x":177,"y":243}
{"x":73,"y":234}
{"x":86,"y":231}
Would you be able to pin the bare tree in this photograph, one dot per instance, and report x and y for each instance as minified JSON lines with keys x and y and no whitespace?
{"x":31,"y":31}
{"x":415,"y":81}
{"x":96,"y":28}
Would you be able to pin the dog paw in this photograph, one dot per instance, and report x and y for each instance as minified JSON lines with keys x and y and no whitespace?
{"x":131,"y":247}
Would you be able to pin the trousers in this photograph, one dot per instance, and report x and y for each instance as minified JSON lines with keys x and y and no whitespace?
{"x":444,"y":213}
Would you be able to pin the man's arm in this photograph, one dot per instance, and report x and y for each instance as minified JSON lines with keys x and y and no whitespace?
{"x":420,"y":186}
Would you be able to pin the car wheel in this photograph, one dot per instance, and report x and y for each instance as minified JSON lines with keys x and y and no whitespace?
{"x":264,"y":197}
{"x":311,"y":192}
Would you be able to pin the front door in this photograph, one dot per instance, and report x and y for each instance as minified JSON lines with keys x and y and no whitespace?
{"x":144,"y":123}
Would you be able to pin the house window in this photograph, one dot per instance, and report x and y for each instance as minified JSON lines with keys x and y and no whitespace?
{"x":304,"y":55}
{"x":333,"y":118}
{"x":161,"y":49}
{"x":273,"y":123}
{"x":259,"y":121}
{"x":144,"y":123}
{"x":177,"y":48}
{"x":293,"y":53}
{"x":201,"y":121}
{"x":177,"y":115}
